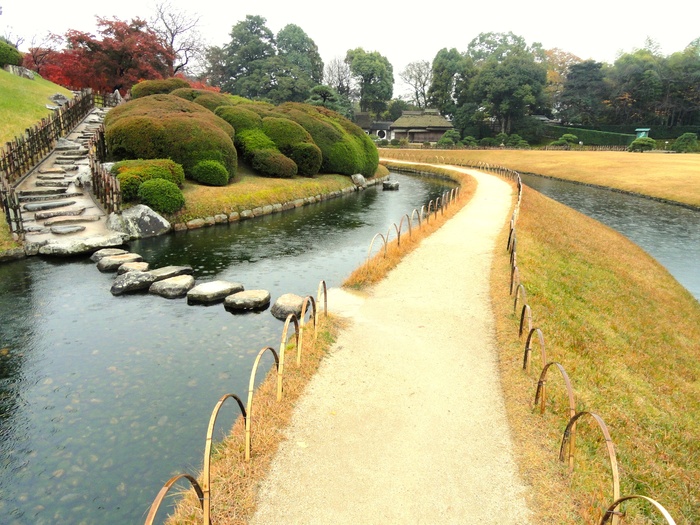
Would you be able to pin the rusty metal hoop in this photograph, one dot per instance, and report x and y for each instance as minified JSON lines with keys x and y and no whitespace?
{"x":251,"y":387}
{"x":308,"y":299}
{"x":569,"y":432}
{"x":528,"y":348}
{"x":283,"y":345}
{"x":528,"y":311}
{"x":206,"y":474}
{"x":520,"y":290}
{"x":323,"y":288}
{"x":611,"y":510}
{"x":541,"y":393}
{"x":164,"y":490}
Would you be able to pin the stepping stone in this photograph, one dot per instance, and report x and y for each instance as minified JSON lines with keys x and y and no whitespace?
{"x":286,"y":304}
{"x":41,"y":215}
{"x":69,"y":220}
{"x":166,"y":272}
{"x":38,"y":206}
{"x":248,"y":300}
{"x":133,"y":267}
{"x":213,"y":291}
{"x":172,"y":287}
{"x":53,"y":183}
{"x":111,"y":263}
{"x":105,"y":252}
{"x":65,"y":230}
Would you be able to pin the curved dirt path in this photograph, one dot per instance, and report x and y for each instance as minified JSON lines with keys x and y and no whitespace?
{"x":404,"y":421}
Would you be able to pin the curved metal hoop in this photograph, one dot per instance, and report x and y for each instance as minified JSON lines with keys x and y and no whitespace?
{"x":163,"y":491}
{"x":611,"y":510}
{"x":541,"y":393}
{"x":206,"y":475}
{"x":528,"y":311}
{"x":528,"y":348}
{"x":308,"y":299}
{"x":323,"y":288}
{"x":569,"y":433}
{"x":520,"y":290}
{"x":283,"y":346}
{"x":251,"y":387}
{"x":371,"y":244}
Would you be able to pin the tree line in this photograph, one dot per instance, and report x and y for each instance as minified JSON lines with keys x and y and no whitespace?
{"x":493,"y":86}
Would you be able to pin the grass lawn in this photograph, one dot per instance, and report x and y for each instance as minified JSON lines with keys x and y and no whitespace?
{"x":675,"y":177}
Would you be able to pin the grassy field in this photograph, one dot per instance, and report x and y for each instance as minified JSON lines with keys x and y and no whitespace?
{"x":23,"y":103}
{"x":674,"y":177}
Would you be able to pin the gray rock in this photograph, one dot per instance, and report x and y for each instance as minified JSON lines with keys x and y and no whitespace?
{"x":138,"y":222}
{"x":166,"y":272}
{"x":132,"y":282}
{"x":359,"y":180}
{"x":212,"y":292}
{"x":286,"y":304}
{"x":105,"y":252}
{"x":133,"y":267}
{"x":248,"y":300}
{"x":172,"y":287}
{"x":111,"y":263}
{"x":80,"y":246}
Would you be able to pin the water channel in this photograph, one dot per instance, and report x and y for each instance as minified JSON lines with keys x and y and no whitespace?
{"x":102,"y":398}
{"x":669,"y":233}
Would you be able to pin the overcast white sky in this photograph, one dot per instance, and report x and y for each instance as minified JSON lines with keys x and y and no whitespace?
{"x":402,"y":32}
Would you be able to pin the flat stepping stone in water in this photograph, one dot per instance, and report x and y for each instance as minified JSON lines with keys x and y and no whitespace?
{"x":111,"y":263}
{"x":166,"y":272}
{"x":212,"y":292}
{"x":248,"y":300}
{"x":41,"y":215}
{"x":133,"y":267}
{"x":286,"y":304}
{"x":105,"y":252}
{"x":53,"y":183}
{"x":65,"y":230}
{"x":172,"y":287}
{"x":38,"y":206}
{"x":69,"y":220}
{"x":132,"y":282}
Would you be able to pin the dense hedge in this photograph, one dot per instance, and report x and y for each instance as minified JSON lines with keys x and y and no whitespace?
{"x":132,"y":173}
{"x":166,"y":126}
{"x":295,"y":142}
{"x":9,"y":55}
{"x":161,"y":195}
{"x":146,"y":88}
{"x":210,"y":172}
{"x":590,"y":137}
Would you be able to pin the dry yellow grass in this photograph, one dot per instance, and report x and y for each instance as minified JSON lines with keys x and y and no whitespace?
{"x":674,"y":177}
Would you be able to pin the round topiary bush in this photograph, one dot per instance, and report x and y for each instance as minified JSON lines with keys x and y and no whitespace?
{"x":210,"y":172}
{"x":161,"y":195}
{"x":9,"y":55}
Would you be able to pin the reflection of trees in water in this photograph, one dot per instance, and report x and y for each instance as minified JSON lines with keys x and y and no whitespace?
{"x":18,"y":325}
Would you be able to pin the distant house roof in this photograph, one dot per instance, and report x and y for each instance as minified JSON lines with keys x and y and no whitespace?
{"x":427,"y":119}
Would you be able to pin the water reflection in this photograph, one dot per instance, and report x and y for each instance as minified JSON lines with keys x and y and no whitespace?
{"x":104,"y":398}
{"x":669,"y":233}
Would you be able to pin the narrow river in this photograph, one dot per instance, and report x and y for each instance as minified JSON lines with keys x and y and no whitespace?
{"x":669,"y":233}
{"x":102,"y":398}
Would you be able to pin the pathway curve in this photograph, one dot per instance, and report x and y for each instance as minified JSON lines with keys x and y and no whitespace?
{"x":404,"y":421}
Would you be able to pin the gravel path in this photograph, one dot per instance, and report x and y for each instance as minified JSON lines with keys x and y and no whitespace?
{"x":404,"y":421}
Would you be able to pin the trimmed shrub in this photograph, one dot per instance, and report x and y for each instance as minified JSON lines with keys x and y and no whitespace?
{"x":161,"y":195}
{"x":155,"y":87}
{"x":210,"y":172}
{"x":271,"y":163}
{"x":686,"y":143}
{"x":166,"y":126}
{"x":642,"y":144}
{"x":9,"y":55}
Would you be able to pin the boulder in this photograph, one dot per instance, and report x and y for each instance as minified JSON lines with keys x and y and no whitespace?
{"x":132,"y":282}
{"x":138,"y":222}
{"x":111,"y":263}
{"x":212,"y":292}
{"x":286,"y":304}
{"x":248,"y":300}
{"x":133,"y":266}
{"x":104,"y":252}
{"x":172,"y":287}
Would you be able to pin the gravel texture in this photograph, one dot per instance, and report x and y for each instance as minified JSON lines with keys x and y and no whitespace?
{"x":404,"y":421}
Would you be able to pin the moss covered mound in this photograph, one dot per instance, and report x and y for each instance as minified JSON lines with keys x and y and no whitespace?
{"x":167,"y":126}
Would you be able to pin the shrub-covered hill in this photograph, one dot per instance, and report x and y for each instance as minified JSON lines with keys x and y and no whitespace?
{"x":277,"y":141}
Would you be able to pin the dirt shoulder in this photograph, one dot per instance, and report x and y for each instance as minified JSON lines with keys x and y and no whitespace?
{"x":404,"y":422}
